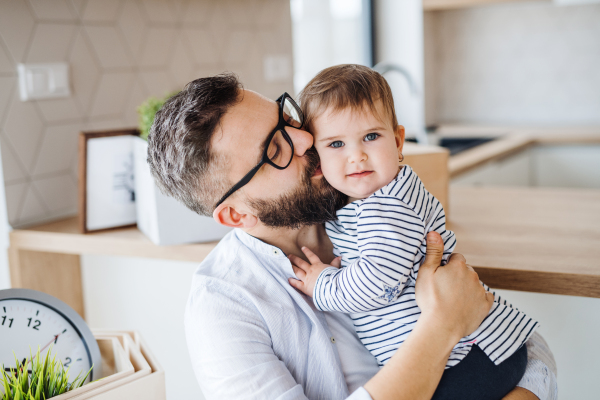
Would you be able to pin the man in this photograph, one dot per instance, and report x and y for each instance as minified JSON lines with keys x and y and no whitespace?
{"x":244,"y":159}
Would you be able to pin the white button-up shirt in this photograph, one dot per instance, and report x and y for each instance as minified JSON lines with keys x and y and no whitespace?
{"x":252,"y":336}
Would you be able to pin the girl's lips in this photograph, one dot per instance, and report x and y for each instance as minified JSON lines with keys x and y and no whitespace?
{"x":360,"y":174}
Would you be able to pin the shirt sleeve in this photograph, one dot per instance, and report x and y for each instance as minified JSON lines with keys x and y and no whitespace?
{"x":389,"y":235}
{"x":540,"y":373}
{"x":231,"y":351}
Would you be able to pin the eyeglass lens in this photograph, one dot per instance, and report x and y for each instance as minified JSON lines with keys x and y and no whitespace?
{"x":279,"y":150}
{"x":291,"y":113}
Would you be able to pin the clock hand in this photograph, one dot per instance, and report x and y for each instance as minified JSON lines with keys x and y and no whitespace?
{"x":42,"y":349}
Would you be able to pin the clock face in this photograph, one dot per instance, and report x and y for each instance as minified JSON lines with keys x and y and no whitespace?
{"x":26,"y":325}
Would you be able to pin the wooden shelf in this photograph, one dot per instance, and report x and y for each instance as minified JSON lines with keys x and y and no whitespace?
{"x":64,"y":237}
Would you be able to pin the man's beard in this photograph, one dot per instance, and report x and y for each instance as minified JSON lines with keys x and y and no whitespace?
{"x":311,"y":203}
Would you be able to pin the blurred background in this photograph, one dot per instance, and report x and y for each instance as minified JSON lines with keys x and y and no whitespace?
{"x":463,"y":72}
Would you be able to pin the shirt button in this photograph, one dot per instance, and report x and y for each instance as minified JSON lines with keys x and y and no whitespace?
{"x":276,"y":252}
{"x":332,"y":339}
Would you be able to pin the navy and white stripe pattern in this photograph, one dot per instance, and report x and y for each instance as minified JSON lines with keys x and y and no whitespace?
{"x":382,"y":243}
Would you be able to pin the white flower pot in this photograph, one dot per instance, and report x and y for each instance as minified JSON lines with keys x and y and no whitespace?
{"x":163,"y":219}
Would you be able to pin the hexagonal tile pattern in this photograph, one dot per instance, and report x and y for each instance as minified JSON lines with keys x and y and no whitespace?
{"x":101,"y":10}
{"x":85,"y":74}
{"x":158,"y":47}
{"x":58,"y":110}
{"x":11,"y":166}
{"x":108,"y":45}
{"x":15,"y":196}
{"x":23,"y":128}
{"x":16,"y":27}
{"x":112,"y":94}
{"x":57,"y":139}
{"x":239,"y":46}
{"x":131,"y":22}
{"x":55,"y":10}
{"x":60,"y":193}
{"x":51,"y":43}
{"x":202,"y":45}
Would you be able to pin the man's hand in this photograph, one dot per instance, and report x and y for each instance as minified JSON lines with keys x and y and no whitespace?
{"x":307,"y":273}
{"x":451,"y":295}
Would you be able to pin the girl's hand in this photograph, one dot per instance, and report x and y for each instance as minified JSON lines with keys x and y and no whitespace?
{"x":308,"y":272}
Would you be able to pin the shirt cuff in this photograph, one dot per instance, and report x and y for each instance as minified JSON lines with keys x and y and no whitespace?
{"x":360,"y":394}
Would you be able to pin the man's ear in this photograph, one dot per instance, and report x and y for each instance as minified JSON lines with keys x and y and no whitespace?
{"x":399,"y":133}
{"x":227,"y":215}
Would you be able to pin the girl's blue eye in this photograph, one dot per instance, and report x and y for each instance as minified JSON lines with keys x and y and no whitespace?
{"x":371,"y":136}
{"x":336,"y":144}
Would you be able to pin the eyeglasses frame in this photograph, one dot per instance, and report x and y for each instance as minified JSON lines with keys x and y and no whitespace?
{"x":281,"y":124}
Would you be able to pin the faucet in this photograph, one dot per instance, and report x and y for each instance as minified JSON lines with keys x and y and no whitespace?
{"x":385,"y":67}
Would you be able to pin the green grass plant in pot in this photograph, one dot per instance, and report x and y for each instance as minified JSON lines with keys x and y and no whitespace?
{"x":148,"y":109}
{"x":46,"y":379}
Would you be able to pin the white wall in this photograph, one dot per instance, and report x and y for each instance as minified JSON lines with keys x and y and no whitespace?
{"x":571,"y":326}
{"x":149,"y":296}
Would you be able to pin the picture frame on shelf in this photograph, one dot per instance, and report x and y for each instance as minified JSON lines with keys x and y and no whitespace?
{"x":106,"y":180}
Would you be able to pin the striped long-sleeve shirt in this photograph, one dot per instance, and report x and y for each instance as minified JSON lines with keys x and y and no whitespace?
{"x":382,"y":243}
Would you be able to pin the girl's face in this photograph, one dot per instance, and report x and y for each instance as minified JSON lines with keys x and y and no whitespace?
{"x":359,"y":152}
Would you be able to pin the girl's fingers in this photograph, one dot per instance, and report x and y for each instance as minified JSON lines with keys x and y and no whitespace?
{"x":312,"y":257}
{"x":337,"y":262}
{"x":298,"y":262}
{"x":300,"y":273}
{"x":296,"y":284}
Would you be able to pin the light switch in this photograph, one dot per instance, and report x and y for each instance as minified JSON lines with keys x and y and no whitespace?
{"x":277,"y":68}
{"x":43,"y":81}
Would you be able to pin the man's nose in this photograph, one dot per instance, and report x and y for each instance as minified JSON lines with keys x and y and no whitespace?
{"x":302,"y":140}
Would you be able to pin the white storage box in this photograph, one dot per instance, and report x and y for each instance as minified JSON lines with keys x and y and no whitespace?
{"x":163,"y":219}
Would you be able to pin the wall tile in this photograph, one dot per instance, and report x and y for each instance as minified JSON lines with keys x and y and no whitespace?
{"x":101,"y":10}
{"x":131,"y":22}
{"x":60,"y":193}
{"x":33,"y":207}
{"x":181,"y":63}
{"x":51,"y":42}
{"x":79,"y":6}
{"x":157,"y":83}
{"x":238,"y":47}
{"x":6,"y":64}
{"x":111,"y":94}
{"x":16,"y":27}
{"x":23,"y":128}
{"x":15,"y":196}
{"x":198,"y":12}
{"x":108,"y":45}
{"x":137,"y":96}
{"x":85,"y":72}
{"x":56,"y":10}
{"x":55,"y":110}
{"x":158,"y":47}
{"x":202,"y":45}
{"x":12,"y":167}
{"x":160,"y":11}
{"x":57,"y":140}
{"x":7,"y":85}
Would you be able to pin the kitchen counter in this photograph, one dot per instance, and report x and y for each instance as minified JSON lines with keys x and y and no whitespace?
{"x":510,"y":140}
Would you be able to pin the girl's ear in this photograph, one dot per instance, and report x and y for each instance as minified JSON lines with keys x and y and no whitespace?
{"x":399,"y":133}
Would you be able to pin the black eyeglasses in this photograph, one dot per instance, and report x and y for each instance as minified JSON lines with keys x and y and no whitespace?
{"x":279,"y":148}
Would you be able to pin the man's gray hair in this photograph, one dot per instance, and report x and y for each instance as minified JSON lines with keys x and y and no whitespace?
{"x":179,"y":144}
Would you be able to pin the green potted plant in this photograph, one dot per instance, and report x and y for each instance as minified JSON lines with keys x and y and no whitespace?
{"x":47,"y":378}
{"x":163,"y":219}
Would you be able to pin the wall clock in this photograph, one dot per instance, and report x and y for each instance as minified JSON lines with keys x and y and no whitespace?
{"x":29,"y":319}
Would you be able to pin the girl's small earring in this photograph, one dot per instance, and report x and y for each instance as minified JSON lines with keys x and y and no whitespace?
{"x":401,"y":157}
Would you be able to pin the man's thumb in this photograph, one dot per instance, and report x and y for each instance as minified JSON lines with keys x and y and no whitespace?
{"x":435,"y":251}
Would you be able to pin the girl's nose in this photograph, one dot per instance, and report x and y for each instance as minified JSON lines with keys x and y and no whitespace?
{"x":357,"y":155}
